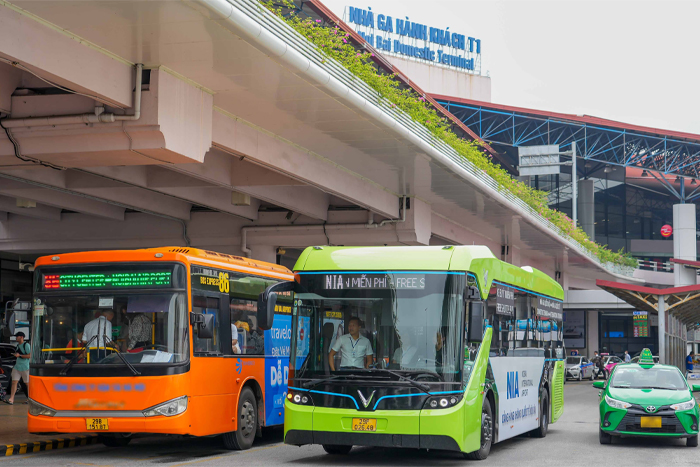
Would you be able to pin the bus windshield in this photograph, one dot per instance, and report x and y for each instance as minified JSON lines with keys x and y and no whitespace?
{"x":407,"y":322}
{"x":147,"y":328}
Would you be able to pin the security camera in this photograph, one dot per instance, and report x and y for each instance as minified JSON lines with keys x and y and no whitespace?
{"x":27,"y":267}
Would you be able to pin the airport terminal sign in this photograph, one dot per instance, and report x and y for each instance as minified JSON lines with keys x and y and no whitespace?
{"x":402,"y":36}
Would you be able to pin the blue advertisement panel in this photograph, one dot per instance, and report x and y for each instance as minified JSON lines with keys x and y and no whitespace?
{"x":277,"y":342}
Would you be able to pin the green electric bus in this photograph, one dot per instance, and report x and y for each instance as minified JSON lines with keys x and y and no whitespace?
{"x":439,"y":347}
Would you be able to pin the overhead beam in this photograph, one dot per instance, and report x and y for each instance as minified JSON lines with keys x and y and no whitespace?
{"x":61,"y":200}
{"x":122,"y":195}
{"x":61,"y":58}
{"x":177,"y":185}
{"x":235,"y":136}
{"x":49,"y":213}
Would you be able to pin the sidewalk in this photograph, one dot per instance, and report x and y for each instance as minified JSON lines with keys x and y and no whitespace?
{"x":15,"y":439}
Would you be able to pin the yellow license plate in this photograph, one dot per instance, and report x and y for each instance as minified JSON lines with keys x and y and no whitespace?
{"x":651,"y":422}
{"x":97,"y":424}
{"x":364,"y":424}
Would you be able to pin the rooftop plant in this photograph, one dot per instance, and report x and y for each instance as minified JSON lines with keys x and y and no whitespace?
{"x":336,"y":44}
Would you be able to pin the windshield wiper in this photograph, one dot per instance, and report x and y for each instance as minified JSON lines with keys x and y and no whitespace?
{"x":119,"y":354}
{"x":423,"y":387}
{"x":78,"y":352}
{"x":313,"y":384}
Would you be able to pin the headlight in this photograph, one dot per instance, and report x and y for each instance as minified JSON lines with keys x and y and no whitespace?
{"x":36,"y":408}
{"x":616,"y":404}
{"x":442,"y":402}
{"x":684,"y":405}
{"x":170,"y":408}
{"x":299,"y":398}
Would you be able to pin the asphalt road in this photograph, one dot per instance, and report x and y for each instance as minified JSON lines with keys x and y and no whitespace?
{"x":572,"y":441}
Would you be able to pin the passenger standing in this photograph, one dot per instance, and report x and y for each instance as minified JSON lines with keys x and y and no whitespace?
{"x":689,"y":363}
{"x":21,"y":368}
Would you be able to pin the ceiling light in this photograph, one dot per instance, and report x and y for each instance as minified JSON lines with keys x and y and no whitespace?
{"x":607,"y":169}
{"x":25,"y":203}
{"x":678,"y":179}
{"x":693,"y":182}
{"x":644,"y":173}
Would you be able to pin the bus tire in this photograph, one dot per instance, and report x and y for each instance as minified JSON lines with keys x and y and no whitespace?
{"x":486,"y":433}
{"x":337,"y":449}
{"x":243,"y":437}
{"x":541,"y":431}
{"x":117,"y":440}
{"x":604,"y":437}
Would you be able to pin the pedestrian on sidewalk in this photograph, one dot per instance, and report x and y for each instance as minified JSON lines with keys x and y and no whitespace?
{"x":628,"y":358}
{"x":21,"y":368}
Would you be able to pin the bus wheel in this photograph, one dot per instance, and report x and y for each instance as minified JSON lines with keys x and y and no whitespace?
{"x":486,"y":433}
{"x":244,"y":435}
{"x":541,"y":430}
{"x":116,"y":440}
{"x":337,"y":449}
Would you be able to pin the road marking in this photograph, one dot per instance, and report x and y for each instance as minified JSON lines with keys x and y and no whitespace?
{"x":229,"y":455}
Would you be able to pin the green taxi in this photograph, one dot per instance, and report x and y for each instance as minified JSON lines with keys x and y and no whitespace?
{"x":647,"y":399}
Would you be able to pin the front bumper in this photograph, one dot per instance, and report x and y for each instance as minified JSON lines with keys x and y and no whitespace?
{"x":572,"y":372}
{"x":674,"y":424}
{"x":178,"y":424}
{"x":443,"y":429}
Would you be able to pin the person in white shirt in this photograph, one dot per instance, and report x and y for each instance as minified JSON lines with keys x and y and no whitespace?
{"x":100,"y":327}
{"x":355,"y":350}
{"x":234,"y":339}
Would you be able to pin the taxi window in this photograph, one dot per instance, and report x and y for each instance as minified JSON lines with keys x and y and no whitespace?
{"x":648,"y":378}
{"x":573,"y":360}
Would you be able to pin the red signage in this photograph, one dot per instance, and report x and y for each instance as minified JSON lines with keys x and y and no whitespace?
{"x":666,"y":231}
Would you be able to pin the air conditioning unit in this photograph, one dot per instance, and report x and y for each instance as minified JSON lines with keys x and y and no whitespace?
{"x":27,"y":267}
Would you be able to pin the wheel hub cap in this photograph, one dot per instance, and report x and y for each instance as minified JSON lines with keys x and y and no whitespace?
{"x":247,"y":420}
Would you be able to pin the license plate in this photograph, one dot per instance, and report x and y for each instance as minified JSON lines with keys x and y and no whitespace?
{"x":364,"y":424}
{"x":97,"y":424}
{"x":651,"y":422}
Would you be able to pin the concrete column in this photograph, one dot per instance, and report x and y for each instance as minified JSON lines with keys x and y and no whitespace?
{"x":662,"y":328}
{"x":684,"y":243}
{"x":592,"y":343}
{"x":586,"y":207}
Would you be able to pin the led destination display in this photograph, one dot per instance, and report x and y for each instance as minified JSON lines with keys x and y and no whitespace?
{"x":115,"y":279}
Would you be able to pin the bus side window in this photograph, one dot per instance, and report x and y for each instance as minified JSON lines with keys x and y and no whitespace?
{"x":206,"y":305}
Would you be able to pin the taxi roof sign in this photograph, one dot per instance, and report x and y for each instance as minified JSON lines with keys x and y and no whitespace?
{"x":646,"y":358}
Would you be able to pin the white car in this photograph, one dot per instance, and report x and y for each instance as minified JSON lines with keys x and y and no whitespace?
{"x":578,"y":367}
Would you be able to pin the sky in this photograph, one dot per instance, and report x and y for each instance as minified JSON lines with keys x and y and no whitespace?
{"x":630,"y":61}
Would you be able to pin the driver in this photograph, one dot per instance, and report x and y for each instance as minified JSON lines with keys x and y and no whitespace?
{"x":355,"y":350}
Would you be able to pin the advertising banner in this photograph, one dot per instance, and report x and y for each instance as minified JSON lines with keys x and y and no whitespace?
{"x":518,"y":381}
{"x":277,"y":342}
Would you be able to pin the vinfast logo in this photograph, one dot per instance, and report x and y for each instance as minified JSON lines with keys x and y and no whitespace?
{"x":512,"y":390}
{"x":366,"y":402}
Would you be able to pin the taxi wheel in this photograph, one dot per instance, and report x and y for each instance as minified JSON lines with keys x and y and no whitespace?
{"x":692,"y":442}
{"x":337,"y":449}
{"x":580,"y":375}
{"x":116,"y":440}
{"x":243,"y":437}
{"x":486,"y":434}
{"x":604,"y":437}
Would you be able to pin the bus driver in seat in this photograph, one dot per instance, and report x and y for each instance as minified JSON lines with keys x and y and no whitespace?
{"x":355,"y":350}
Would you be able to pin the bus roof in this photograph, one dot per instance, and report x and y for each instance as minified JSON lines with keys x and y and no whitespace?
{"x":478,"y":260}
{"x":170,"y":253}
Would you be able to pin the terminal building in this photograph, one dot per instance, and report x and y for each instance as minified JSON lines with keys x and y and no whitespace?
{"x":214,"y":125}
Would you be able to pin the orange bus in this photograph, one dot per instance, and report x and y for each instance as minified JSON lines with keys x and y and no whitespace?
{"x":162,"y":340}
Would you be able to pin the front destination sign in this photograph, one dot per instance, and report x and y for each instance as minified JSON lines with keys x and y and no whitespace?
{"x":114,"y":279}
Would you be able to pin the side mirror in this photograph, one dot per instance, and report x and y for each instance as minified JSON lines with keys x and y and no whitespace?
{"x":204,"y":323}
{"x":599,"y":384}
{"x":695,"y":388}
{"x":475,"y":330}
{"x":266,"y":310}
{"x":267,"y":301}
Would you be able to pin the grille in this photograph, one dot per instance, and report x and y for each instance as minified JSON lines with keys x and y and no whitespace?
{"x":669,"y":424}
